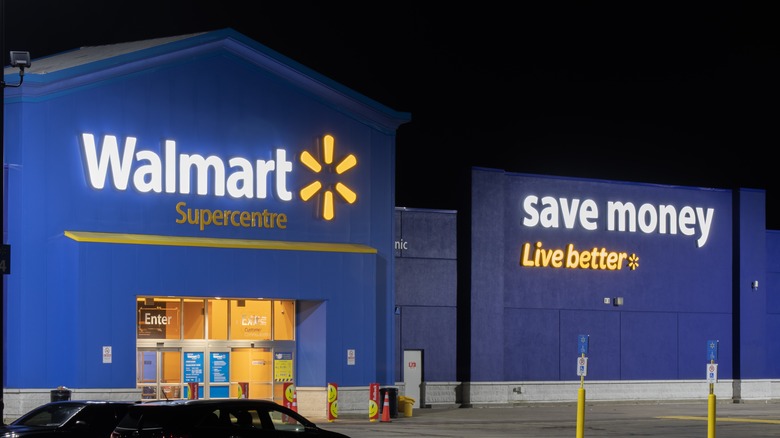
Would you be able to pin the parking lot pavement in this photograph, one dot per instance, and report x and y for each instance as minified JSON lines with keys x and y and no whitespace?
{"x":601,"y":419}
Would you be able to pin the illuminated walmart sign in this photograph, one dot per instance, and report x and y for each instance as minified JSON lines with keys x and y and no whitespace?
{"x":148,"y":172}
{"x":537,"y":256}
{"x":622,"y":216}
{"x":346,"y":193}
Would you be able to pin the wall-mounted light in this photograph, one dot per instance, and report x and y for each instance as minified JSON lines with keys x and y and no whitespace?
{"x":754,"y":285}
{"x":617,"y":301}
{"x":20,"y":60}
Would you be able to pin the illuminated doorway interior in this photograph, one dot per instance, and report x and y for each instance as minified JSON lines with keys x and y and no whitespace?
{"x":229,"y":347}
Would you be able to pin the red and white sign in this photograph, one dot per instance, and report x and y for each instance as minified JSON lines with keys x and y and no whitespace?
{"x":582,"y":366}
{"x":712,"y":373}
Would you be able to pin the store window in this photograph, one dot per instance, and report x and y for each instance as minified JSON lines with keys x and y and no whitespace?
{"x":284,"y":320}
{"x":250,"y":320}
{"x":159,"y":318}
{"x":218,"y":319}
{"x":194,"y":320}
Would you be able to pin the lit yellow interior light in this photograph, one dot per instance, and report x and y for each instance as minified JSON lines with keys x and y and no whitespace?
{"x":327,"y":148}
{"x":310,"y":190}
{"x":327,"y":206}
{"x":310,"y":161}
{"x":347,"y":163}
{"x":346,"y":193}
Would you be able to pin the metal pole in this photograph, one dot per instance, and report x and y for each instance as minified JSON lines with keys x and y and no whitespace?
{"x":711,"y":410}
{"x":581,"y":407}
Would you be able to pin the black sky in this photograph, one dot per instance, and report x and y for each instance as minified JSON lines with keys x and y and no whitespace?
{"x":682,"y":95}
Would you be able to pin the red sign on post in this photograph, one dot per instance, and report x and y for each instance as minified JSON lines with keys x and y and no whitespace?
{"x":290,"y":396}
{"x":192,"y":393}
{"x":243,"y":389}
{"x":290,"y":401}
{"x":373,"y":402}
{"x":333,"y":401}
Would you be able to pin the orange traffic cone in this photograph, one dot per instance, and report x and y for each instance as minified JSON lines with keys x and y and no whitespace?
{"x":386,"y":409}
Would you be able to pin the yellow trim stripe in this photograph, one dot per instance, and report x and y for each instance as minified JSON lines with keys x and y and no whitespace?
{"x":728,"y":419}
{"x":210,"y":242}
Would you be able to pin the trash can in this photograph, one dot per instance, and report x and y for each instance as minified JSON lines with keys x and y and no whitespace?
{"x":60,"y":394}
{"x":407,"y":404}
{"x":392,"y":394}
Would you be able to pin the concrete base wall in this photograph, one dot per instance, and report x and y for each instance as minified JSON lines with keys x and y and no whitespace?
{"x":445,"y":394}
{"x":313,"y":401}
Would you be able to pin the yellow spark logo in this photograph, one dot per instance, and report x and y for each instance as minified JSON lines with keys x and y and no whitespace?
{"x":308,"y":160}
{"x":633,"y":261}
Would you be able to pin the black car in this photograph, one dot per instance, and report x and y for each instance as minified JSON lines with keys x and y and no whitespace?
{"x":72,"y":418}
{"x":216,"y":418}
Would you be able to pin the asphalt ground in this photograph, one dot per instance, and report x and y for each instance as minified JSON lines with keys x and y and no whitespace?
{"x":601,"y":419}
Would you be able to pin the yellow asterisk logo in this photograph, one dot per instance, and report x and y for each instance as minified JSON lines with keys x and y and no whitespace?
{"x":308,"y":160}
{"x":633,"y":261}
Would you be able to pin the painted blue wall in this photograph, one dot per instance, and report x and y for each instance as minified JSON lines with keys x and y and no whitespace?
{"x":755,"y":343}
{"x":426,"y":291}
{"x":525,"y":319}
{"x":770,"y":289}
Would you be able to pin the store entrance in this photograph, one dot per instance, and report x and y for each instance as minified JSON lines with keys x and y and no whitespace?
{"x":226,"y":348}
{"x":159,"y":373}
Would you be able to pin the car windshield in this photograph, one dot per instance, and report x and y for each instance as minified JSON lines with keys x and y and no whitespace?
{"x":50,"y":415}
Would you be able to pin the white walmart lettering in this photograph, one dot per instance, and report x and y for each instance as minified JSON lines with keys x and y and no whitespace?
{"x":244,"y":180}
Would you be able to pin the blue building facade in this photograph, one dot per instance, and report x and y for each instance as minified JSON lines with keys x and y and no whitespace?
{"x":650,"y":275}
{"x":146,"y":182}
{"x":200,"y":210}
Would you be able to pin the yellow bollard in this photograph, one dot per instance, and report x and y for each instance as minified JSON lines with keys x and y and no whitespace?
{"x":711,"y":416}
{"x":581,"y":412}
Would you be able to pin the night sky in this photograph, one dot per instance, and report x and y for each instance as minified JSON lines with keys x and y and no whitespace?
{"x":680,"y":95}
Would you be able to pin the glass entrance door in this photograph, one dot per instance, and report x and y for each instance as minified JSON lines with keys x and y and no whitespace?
{"x":254,"y":368}
{"x":159,"y":373}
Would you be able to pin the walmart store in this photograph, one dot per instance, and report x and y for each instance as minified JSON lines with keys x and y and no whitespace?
{"x":195,"y":209}
{"x":203,"y":210}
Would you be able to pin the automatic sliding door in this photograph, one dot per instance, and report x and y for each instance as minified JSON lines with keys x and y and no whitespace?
{"x":159,"y":373}
{"x":255,"y":367}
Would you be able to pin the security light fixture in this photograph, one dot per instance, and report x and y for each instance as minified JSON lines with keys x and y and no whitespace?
{"x":20,"y":60}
